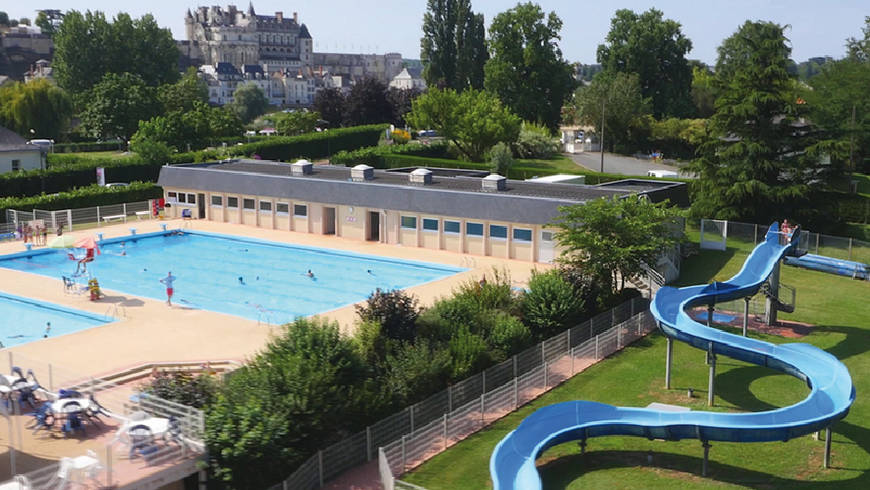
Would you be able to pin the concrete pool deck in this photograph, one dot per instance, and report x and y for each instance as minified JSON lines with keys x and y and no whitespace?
{"x":148,"y":330}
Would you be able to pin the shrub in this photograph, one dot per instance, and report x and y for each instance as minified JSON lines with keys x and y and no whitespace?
{"x":415,"y":371}
{"x":312,"y":145}
{"x":394,"y":310}
{"x":550,"y":305}
{"x":493,"y":294}
{"x":195,"y":390}
{"x":509,"y":335}
{"x":501,"y":159}
{"x":441,"y":321}
{"x":535,"y":142}
{"x":93,"y":195}
{"x":468,"y":353}
{"x":400,"y":136}
{"x":376,"y":155}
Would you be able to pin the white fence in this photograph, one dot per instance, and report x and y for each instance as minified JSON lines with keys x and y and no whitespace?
{"x":428,"y":427}
{"x":70,"y":218}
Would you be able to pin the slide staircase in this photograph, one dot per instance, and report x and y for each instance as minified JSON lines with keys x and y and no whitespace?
{"x":512,"y":464}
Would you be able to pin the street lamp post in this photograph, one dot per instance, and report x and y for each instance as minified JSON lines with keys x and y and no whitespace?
{"x":601,"y":136}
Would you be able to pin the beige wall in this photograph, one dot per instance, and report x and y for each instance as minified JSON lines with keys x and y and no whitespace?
{"x":27,"y":160}
{"x":351,"y":223}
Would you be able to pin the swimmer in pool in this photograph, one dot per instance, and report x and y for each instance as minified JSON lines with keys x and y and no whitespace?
{"x":309,"y":273}
{"x":241,"y":280}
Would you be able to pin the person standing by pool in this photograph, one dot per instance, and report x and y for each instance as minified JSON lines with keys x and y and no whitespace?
{"x":168,"y":280}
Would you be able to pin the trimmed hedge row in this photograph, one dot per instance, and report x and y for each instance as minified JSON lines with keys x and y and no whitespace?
{"x":83,"y":197}
{"x":375,"y":155}
{"x":88,"y":146}
{"x":67,"y":171}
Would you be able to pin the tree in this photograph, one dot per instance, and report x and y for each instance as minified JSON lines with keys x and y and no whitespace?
{"x":526,"y":70}
{"x":619,"y":96}
{"x":760,"y":160}
{"x":610,"y":239}
{"x":859,"y":49}
{"x":703,"y":95}
{"x":367,"y":103}
{"x":115,"y":105}
{"x":36,"y":105}
{"x":473,"y":120}
{"x":187,"y":129}
{"x":4,"y":18}
{"x":400,"y":102}
{"x":183,"y":94}
{"x":329,"y":103}
{"x":550,"y":305}
{"x":395,"y":311}
{"x":655,"y":49}
{"x":48,"y":20}
{"x":296,"y":122}
{"x":249,"y":102}
{"x":87,"y":47}
{"x":24,"y":21}
{"x":501,"y":159}
{"x":453,"y":47}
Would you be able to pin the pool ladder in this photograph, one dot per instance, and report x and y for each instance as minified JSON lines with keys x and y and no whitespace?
{"x":116,"y":311}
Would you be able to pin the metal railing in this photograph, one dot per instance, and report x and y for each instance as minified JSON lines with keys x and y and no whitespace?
{"x":517,"y":379}
{"x":71,"y":219}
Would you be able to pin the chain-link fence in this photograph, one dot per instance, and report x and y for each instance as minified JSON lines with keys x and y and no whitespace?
{"x":477,"y":400}
{"x":71,"y":219}
{"x":725,"y":232}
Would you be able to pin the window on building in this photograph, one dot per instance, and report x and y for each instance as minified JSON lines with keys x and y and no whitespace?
{"x":474,"y":229}
{"x":497,"y":231}
{"x":409,"y":222}
{"x":217,"y":201}
{"x":182,"y":197}
{"x":300,"y":210}
{"x":265,"y":206}
{"x":248,"y":204}
{"x":522,"y":234}
{"x":282,"y":208}
{"x":16,"y":165}
{"x":172,"y":196}
{"x":232,"y":202}
{"x":191,"y":199}
{"x":547,"y":236}
{"x":452,"y":226}
{"x":430,"y":224}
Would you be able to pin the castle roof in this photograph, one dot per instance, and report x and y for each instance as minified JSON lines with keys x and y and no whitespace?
{"x":303,"y":32}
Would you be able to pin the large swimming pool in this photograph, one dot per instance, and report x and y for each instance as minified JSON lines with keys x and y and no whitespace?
{"x":252,"y":278}
{"x":24,"y":320}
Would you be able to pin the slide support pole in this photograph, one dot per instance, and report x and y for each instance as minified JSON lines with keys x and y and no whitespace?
{"x":745,"y":314}
{"x":710,"y":385}
{"x":710,"y":309}
{"x":827,"y":447}
{"x":706,"y":457}
{"x":668,"y":362}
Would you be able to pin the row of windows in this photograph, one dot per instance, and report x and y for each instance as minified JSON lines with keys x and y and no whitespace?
{"x":248,"y":204}
{"x":181,"y":197}
{"x":471,"y":228}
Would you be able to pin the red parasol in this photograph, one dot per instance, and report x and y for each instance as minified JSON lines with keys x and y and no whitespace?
{"x":87,"y":242}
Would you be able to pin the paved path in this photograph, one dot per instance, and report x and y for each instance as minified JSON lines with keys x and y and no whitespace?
{"x":618,"y":164}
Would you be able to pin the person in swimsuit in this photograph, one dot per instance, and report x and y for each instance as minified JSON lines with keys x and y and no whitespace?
{"x":168,"y":280}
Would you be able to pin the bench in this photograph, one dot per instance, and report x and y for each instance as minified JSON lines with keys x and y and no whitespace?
{"x":114,"y":217}
{"x":139,"y":214}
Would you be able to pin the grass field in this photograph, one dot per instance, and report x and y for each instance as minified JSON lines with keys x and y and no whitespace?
{"x":635,"y":377}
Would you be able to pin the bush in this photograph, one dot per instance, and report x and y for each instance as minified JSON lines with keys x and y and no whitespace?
{"x":93,"y":195}
{"x":312,"y":145}
{"x":501,"y":159}
{"x":87,"y":146}
{"x":415,"y":371}
{"x":508,"y":335}
{"x":400,"y":136}
{"x":536,"y":142}
{"x":550,"y":305}
{"x":195,"y":390}
{"x":468,"y":353}
{"x":493,"y":294}
{"x":394,"y":310}
{"x":375,"y":155}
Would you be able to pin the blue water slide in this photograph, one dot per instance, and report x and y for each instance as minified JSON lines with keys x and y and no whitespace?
{"x":512,"y":464}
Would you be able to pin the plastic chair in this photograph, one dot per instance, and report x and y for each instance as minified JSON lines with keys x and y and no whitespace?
{"x":43,"y":417}
{"x":73,"y":424}
{"x":186,"y":214}
{"x":142,"y":442}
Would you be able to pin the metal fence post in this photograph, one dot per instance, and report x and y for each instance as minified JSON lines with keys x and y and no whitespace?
{"x":124,"y":207}
{"x":619,"y":338}
{"x":482,"y":408}
{"x":450,"y":396}
{"x":515,"y":365}
{"x":411,"y":411}
{"x":571,"y":351}
{"x":817,"y":243}
{"x":516,"y":393}
{"x":483,"y":382}
{"x":403,"y":453}
{"x":98,"y":217}
{"x":596,"y":346}
{"x":69,"y":218}
{"x":108,"y":466}
{"x":850,"y":248}
{"x":444,"y":436}
{"x":50,"y":378}
{"x":368,"y":443}
{"x":543,"y":357}
{"x":546,"y":375}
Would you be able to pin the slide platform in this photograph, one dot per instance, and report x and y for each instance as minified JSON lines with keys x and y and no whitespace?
{"x":512,"y":464}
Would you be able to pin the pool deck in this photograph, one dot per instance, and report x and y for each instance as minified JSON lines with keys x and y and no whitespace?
{"x":150,"y":331}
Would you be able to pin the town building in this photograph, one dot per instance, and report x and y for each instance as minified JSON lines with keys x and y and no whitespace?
{"x":468,"y":212}
{"x":16,"y":155}
{"x":21,"y":47}
{"x":406,"y":81}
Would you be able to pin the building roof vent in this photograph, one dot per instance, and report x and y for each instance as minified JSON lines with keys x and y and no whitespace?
{"x":362,"y":172}
{"x":493,"y":182}
{"x":301,"y":167}
{"x":421,"y":176}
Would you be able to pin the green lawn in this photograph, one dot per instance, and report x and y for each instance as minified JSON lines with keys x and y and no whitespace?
{"x":635,"y":377}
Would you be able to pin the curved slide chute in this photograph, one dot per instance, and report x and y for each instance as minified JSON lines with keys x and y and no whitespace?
{"x":512,"y":465}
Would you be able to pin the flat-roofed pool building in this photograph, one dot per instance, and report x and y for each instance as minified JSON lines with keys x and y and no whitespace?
{"x":441,"y":209}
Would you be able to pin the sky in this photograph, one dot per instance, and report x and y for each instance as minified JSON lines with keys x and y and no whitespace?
{"x":817,"y":27}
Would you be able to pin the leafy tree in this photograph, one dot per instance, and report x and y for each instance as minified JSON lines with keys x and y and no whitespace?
{"x":453,"y":47}
{"x":703,"y":94}
{"x":24,"y":21}
{"x":859,"y":49}
{"x":195,"y":390}
{"x":471,"y":47}
{"x":184,"y":129}
{"x":526,"y":70}
{"x":655,"y":49}
{"x":87,"y":47}
{"x":609,"y":239}
{"x":508,"y":335}
{"x":620,"y":97}
{"x":47,"y":21}
{"x":296,"y":122}
{"x":468,"y":353}
{"x":415,"y":370}
{"x":183,"y":94}
{"x":473,"y":120}
{"x":36,"y":105}
{"x":536,"y":141}
{"x":394,"y":310}
{"x":299,"y":394}
{"x":249,"y":101}
{"x":330,"y":104}
{"x":367,"y":103}
{"x":115,"y":105}
{"x":550,"y":305}
{"x":760,"y":160}
{"x":400,"y":101}
{"x":501,"y":158}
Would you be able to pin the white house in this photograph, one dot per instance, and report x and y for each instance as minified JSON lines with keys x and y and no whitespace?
{"x":16,"y":155}
{"x":405,"y":81}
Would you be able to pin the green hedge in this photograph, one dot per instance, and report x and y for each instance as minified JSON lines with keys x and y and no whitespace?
{"x":374,"y":155}
{"x":853,"y":208}
{"x":88,"y":146}
{"x":93,"y":195}
{"x":312,"y":145}
{"x":60,"y":177}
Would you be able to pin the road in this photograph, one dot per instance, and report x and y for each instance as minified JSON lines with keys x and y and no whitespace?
{"x":618,"y":164}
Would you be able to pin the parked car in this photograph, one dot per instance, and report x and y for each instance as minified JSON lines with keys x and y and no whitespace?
{"x":117,"y":184}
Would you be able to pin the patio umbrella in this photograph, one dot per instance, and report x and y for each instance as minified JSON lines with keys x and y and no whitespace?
{"x":63,"y":241}
{"x":85,"y":242}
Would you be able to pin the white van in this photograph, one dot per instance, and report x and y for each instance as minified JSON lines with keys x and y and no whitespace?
{"x":662,"y":174}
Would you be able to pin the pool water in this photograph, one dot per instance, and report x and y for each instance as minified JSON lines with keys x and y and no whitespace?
{"x":24,"y":320}
{"x":256,"y":279}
